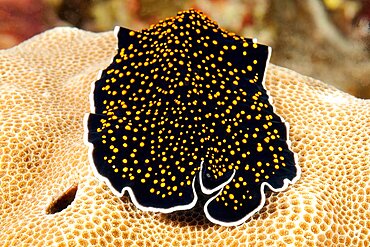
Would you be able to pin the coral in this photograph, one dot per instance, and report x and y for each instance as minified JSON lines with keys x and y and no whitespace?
{"x":49,"y":195}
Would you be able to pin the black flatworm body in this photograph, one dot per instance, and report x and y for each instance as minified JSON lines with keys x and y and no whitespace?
{"x":184,"y":102}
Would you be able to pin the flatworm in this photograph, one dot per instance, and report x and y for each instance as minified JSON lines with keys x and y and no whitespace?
{"x":184,"y":102}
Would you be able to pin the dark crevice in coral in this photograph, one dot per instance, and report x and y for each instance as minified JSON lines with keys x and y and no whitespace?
{"x":63,"y":201}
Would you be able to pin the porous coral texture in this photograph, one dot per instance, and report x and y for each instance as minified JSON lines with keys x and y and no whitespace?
{"x":44,"y":88}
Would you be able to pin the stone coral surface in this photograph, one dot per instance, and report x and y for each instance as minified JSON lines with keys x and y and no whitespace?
{"x":44,"y":88}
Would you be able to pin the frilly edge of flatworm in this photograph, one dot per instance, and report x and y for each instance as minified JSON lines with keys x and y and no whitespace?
{"x":286,"y":182}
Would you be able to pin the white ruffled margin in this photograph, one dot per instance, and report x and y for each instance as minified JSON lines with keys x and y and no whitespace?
{"x":286,"y":181}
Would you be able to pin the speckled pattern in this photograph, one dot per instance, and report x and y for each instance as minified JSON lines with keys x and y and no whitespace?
{"x":183,"y":105}
{"x":44,"y":88}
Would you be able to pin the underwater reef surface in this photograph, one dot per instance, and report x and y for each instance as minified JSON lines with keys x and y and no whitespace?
{"x":50,"y":196}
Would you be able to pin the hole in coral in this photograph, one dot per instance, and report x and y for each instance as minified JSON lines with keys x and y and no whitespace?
{"x":63,"y":201}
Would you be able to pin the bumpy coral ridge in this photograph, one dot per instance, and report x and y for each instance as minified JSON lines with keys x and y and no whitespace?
{"x":44,"y":88}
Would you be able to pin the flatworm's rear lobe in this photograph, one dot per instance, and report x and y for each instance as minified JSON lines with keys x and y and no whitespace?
{"x":183,"y":99}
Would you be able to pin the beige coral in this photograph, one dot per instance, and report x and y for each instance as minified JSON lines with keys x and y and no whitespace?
{"x":44,"y":88}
